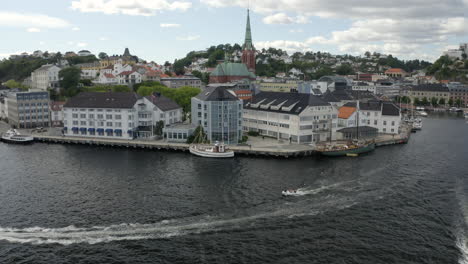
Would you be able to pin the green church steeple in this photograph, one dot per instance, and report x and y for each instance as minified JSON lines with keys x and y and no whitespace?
{"x":248,"y":34}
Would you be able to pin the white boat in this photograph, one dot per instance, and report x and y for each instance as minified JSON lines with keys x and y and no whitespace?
{"x":209,"y":151}
{"x":13,"y":136}
{"x":422,"y":113}
{"x":417,"y":125}
{"x":291,"y":192}
{"x":466,"y":115}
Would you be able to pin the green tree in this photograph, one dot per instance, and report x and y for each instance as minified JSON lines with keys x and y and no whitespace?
{"x":158,"y":129}
{"x":70,"y":77}
{"x":417,"y":101}
{"x":434,"y":102}
{"x":344,"y":69}
{"x":12,"y":84}
{"x":424,"y":101}
{"x":441,"y":101}
{"x":450,"y":102}
{"x":198,"y":137}
{"x":145,"y":90}
{"x":458,"y":102}
{"x":103,"y":55}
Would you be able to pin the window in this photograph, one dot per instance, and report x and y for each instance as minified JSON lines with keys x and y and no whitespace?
{"x":91,"y":123}
{"x":108,"y":116}
{"x":100,"y":116}
{"x":375,"y":122}
{"x":199,"y":106}
{"x":384,"y":123}
{"x":83,"y":123}
{"x":199,"y":114}
{"x":393,"y":124}
{"x":75,"y":123}
{"x":118,"y":124}
{"x":384,"y":130}
{"x":82,"y":115}
{"x":109,"y":124}
{"x":100,"y":123}
{"x":118,"y":117}
{"x":75,"y":115}
{"x":91,"y":116}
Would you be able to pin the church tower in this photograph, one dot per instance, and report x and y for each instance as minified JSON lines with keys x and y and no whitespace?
{"x":248,"y":52}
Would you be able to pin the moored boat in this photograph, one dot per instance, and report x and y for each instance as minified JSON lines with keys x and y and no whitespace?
{"x":339,"y":150}
{"x":210,"y":151}
{"x":13,"y":136}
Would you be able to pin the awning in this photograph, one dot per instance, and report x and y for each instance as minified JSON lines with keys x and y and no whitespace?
{"x":109,"y":130}
{"x":130,"y":131}
{"x":100,"y":130}
{"x":118,"y":131}
{"x":91,"y":129}
{"x":74,"y":128}
{"x":83,"y":129}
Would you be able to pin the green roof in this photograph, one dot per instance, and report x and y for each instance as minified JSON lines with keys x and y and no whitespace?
{"x":232,"y":69}
{"x":248,"y":35}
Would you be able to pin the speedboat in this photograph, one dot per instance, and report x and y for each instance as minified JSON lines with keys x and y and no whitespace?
{"x":417,"y":125}
{"x":208,"y":151}
{"x":290,"y":192}
{"x":13,"y":136}
{"x":422,"y":113}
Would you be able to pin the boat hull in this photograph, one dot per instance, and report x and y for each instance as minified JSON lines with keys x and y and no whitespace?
{"x":340,"y":153}
{"x":205,"y":154}
{"x":13,"y":141}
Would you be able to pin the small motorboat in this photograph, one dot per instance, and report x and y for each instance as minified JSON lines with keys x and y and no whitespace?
{"x":13,"y":136}
{"x":209,"y":151}
{"x":423,"y":114}
{"x":291,"y":192}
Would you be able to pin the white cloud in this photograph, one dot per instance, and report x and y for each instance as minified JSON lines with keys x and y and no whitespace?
{"x":129,"y":7}
{"x":103,"y":38}
{"x":81,"y":44}
{"x":287,"y":45}
{"x":282,"y":18}
{"x":38,"y":21}
{"x":33,"y":30}
{"x":169,"y":25}
{"x":76,"y":29}
{"x":296,"y":30}
{"x":189,"y":37}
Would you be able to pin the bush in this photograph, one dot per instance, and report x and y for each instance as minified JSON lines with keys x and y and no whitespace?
{"x":253,"y":133}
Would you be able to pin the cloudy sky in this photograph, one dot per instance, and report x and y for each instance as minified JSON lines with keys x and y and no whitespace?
{"x":163,"y":30}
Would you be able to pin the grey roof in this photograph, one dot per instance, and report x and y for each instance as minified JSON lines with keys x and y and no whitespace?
{"x":299,"y":100}
{"x":387,"y":108}
{"x":216,"y":94}
{"x":162,"y":102}
{"x":45,"y":67}
{"x":431,"y":87}
{"x":347,"y":95}
{"x":333,"y":79}
{"x":103,"y":100}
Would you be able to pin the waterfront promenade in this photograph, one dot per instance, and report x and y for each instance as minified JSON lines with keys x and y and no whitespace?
{"x":256,"y":146}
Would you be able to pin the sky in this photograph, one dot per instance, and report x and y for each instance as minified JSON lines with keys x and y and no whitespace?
{"x":163,"y":30}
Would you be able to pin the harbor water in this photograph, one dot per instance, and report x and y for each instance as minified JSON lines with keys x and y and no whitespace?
{"x":81,"y":204}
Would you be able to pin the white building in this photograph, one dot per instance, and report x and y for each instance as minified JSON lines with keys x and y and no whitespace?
{"x":46,"y":77}
{"x":28,"y":109}
{"x":129,"y":78}
{"x":300,"y":118}
{"x":384,"y":116}
{"x":117,"y":115}
{"x":364,"y":86}
{"x":106,"y":79}
{"x":176,"y":82}
{"x":454,"y":53}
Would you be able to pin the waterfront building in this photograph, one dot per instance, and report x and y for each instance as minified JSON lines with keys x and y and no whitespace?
{"x":284,"y":87}
{"x":46,"y":77}
{"x":56,"y":113}
{"x":299,"y":118}
{"x":28,"y":109}
{"x":459,"y":93}
{"x":178,"y":132}
{"x":334,"y":83}
{"x":219,"y":112}
{"x":177,"y":82}
{"x":387,"y":88}
{"x":428,"y":91}
{"x":382,"y":115}
{"x":117,"y":115}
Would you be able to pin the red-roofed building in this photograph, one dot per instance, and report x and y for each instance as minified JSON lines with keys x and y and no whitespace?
{"x":347,"y":116}
{"x":129,"y":78}
{"x":396,"y":73}
{"x":243,"y":94}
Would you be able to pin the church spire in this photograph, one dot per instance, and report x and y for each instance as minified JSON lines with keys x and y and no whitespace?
{"x":248,"y":34}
